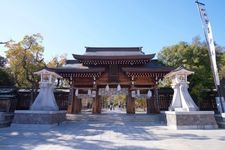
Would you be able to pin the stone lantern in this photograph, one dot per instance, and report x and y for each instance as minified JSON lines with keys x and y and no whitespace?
{"x":183,"y":113}
{"x":45,"y":99}
{"x":182,"y":100}
{"x":44,"y":110}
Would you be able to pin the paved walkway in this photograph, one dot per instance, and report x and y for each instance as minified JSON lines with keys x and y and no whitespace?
{"x":109,"y":134}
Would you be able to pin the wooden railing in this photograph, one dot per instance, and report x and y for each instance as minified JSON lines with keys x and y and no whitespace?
{"x":165,"y":98}
{"x":25,"y":101}
{"x":206,"y":104}
{"x":164,"y":101}
{"x":8,"y":98}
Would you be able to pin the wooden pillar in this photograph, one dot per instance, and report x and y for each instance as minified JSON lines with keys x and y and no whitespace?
{"x":80,"y":105}
{"x":97,"y":104}
{"x":70,"y":106}
{"x":156,"y":99}
{"x":148,"y":102}
{"x":76,"y":105}
{"x":130,"y":101}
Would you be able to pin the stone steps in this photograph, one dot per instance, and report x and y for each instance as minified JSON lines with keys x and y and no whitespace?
{"x":221,"y":125}
{"x":154,"y":119}
{"x":4,"y":124}
{"x":5,"y":119}
{"x":220,"y":121}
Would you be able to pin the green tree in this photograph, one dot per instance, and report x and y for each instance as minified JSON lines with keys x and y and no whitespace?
{"x":222,"y":65}
{"x":57,"y":61}
{"x":25,"y":57}
{"x":194,"y":57}
{"x":6,"y":79}
{"x":2,"y":61}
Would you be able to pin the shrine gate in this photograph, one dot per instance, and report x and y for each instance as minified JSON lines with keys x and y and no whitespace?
{"x":127,"y":70}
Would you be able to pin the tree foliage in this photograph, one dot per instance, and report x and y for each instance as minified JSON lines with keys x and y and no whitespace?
{"x":2,"y":61}
{"x":25,"y":57}
{"x":57,"y":61}
{"x":6,"y":79}
{"x":194,"y":57}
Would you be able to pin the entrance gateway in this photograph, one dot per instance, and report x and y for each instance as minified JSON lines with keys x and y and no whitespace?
{"x":102,"y":70}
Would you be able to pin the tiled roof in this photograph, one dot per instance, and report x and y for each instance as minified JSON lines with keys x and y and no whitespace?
{"x":98,"y":49}
{"x":152,"y":69}
{"x":78,"y":70}
{"x":179,"y":70}
{"x":113,"y":57}
{"x":152,"y":66}
{"x":113,"y":51}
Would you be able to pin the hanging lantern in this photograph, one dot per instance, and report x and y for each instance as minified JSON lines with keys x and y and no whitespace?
{"x":149,"y":94}
{"x":76,"y":92}
{"x":93,"y":94}
{"x":133,"y":93}
{"x":89,"y":92}
{"x":107,"y":87}
{"x":138,"y":93}
{"x":118,"y":87}
{"x":132,"y":80}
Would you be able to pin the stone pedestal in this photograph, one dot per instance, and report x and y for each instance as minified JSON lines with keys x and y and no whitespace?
{"x":39,"y":117}
{"x":222,"y":124}
{"x":191,"y":120}
{"x":5,"y":119}
{"x":44,"y":110}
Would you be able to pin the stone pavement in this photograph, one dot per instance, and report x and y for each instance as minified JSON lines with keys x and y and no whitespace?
{"x":85,"y":133}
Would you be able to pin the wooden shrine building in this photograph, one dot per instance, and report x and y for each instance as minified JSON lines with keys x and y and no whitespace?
{"x":110,"y":70}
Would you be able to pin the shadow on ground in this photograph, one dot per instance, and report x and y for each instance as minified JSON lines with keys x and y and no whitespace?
{"x":81,"y":133}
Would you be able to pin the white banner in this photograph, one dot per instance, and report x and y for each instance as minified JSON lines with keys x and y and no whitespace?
{"x":210,"y":41}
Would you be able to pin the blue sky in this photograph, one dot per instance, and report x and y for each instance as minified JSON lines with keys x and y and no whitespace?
{"x":69,"y":25}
